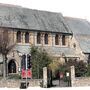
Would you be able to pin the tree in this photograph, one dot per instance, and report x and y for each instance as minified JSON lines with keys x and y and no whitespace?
{"x":5,"y":47}
{"x":88,"y":70}
{"x":80,"y":67}
{"x":40,"y":59}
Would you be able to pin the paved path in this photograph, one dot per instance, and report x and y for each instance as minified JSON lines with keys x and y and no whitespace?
{"x":39,"y":88}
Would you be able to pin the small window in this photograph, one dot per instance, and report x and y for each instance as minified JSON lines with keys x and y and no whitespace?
{"x":38,"y":38}
{"x":74,"y":45}
{"x":46,"y":38}
{"x":63,"y":40}
{"x":18,"y":37}
{"x":57,"y":39}
{"x":26,"y":37}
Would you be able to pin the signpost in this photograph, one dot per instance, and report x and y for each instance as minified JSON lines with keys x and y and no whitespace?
{"x":26,"y":68}
{"x":67,"y":75}
{"x":60,"y":77}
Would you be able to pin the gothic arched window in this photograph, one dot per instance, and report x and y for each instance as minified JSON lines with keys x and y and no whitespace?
{"x":26,"y":37}
{"x":18,"y":37}
{"x":38,"y":38}
{"x":46,"y":38}
{"x":12,"y":66}
{"x":57,"y":39}
{"x":63,"y":40}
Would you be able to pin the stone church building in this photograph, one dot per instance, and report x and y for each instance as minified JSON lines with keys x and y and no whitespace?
{"x":62,"y":37}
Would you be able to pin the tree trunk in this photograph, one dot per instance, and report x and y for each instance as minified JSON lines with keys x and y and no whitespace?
{"x":4,"y":67}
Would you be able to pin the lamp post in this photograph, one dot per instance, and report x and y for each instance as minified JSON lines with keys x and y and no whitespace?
{"x":20,"y":55}
{"x":26,"y":70}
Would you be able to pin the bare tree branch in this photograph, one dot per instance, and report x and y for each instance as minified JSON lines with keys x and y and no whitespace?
{"x":5,"y":47}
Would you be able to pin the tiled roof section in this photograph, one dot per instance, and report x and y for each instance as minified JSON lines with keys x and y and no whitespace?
{"x":59,"y":51}
{"x":24,"y":49}
{"x":81,"y":31}
{"x":54,"y":51}
{"x":23,"y":18}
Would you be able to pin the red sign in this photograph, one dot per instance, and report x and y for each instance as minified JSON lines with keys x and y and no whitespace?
{"x":61,"y":75}
{"x":26,"y":74}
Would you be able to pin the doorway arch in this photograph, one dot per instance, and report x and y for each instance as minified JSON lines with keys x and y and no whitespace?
{"x":12,"y":66}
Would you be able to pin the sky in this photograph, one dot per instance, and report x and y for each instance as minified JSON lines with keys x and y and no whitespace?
{"x":70,"y":8}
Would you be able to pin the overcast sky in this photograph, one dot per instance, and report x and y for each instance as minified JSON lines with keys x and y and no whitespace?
{"x":72,"y":8}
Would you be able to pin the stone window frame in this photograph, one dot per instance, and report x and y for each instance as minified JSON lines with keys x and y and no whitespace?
{"x":46,"y":39}
{"x":57,"y":39}
{"x":18,"y":36}
{"x":12,"y":63}
{"x":39,"y":38}
{"x":26,"y":37}
{"x":63,"y":40}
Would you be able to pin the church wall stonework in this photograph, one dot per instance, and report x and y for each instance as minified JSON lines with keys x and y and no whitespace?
{"x":74,"y":44}
{"x":70,"y":40}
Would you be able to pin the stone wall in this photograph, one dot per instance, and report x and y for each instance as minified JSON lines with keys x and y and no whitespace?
{"x":78,"y":81}
{"x":82,"y":81}
{"x":16,"y":83}
{"x":35,"y":82}
{"x":10,"y":83}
